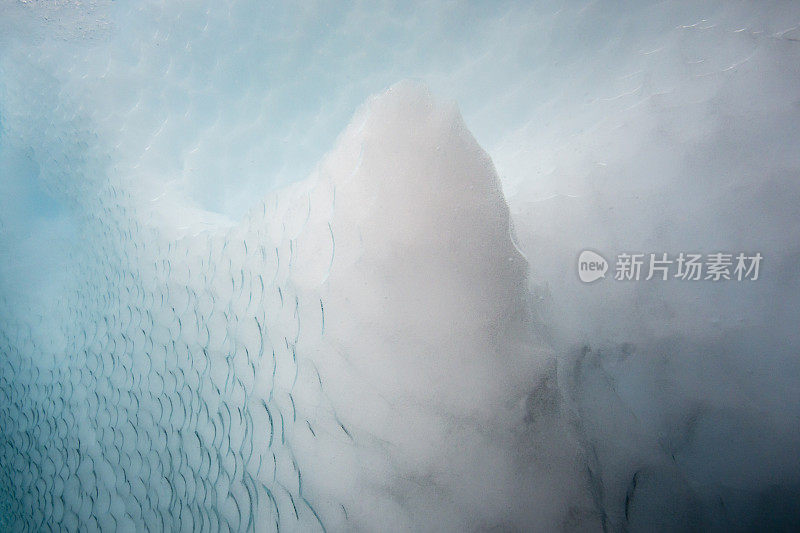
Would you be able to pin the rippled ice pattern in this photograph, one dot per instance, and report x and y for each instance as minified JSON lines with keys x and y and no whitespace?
{"x":260,"y":272}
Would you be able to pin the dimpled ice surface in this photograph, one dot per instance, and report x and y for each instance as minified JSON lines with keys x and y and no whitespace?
{"x":251,"y":280}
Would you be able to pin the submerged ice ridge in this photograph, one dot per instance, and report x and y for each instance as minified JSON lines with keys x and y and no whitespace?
{"x":361,"y":351}
{"x":343,"y":357}
{"x":374,"y":348}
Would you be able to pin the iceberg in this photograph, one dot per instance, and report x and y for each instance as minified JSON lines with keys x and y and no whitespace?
{"x":193,"y":338}
{"x":357,"y":351}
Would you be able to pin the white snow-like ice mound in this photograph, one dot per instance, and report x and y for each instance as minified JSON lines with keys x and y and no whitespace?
{"x":194,"y":338}
{"x":357,"y":351}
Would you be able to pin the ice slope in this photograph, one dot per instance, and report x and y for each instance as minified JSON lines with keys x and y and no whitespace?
{"x":133,"y":137}
{"x":358,"y":352}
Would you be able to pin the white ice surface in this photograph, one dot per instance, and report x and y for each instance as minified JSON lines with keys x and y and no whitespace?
{"x":192,"y":335}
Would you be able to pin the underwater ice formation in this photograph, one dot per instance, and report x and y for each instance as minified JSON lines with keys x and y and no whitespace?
{"x":394,"y":343}
{"x":357,"y":351}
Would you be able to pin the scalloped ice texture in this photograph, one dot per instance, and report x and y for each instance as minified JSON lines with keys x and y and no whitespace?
{"x":130,"y":131}
{"x":357,"y":352}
